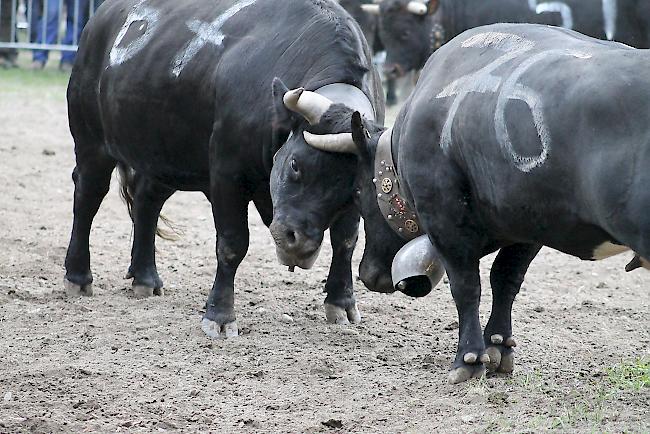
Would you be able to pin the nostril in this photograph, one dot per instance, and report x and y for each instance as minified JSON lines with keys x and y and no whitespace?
{"x":291,"y":237}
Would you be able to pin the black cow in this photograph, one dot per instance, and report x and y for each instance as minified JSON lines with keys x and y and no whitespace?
{"x":514,"y":137}
{"x":411,"y":30}
{"x":181,"y":96}
{"x":363,"y":12}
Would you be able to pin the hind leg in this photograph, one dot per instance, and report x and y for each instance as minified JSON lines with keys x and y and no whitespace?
{"x":92,"y":177}
{"x":506,"y":278}
{"x":149,"y":199}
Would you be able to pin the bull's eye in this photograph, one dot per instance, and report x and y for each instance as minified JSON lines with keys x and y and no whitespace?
{"x":294,"y":166}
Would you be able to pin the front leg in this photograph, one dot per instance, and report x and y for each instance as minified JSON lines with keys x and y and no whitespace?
{"x":230,"y":211}
{"x":340,"y":304}
{"x":466,"y":289}
{"x":506,"y":277}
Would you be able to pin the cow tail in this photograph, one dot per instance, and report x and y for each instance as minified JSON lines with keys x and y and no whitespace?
{"x":127,"y":186}
{"x":127,"y":191}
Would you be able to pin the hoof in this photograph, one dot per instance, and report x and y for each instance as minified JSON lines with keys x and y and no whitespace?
{"x":338,"y":315}
{"x":159,"y":292}
{"x":219,"y":331}
{"x":142,"y":291}
{"x":466,"y":372}
{"x":502,"y":357}
{"x":74,"y":290}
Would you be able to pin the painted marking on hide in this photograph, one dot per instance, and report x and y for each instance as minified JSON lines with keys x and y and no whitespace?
{"x":150,"y":19}
{"x":607,"y":250}
{"x":206,"y":33}
{"x":610,"y":15}
{"x":563,"y":9}
{"x":483,"y":81}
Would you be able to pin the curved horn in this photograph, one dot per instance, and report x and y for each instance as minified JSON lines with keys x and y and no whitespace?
{"x":371,"y":9}
{"x":341,"y":143}
{"x":308,"y":104}
{"x":416,"y":8}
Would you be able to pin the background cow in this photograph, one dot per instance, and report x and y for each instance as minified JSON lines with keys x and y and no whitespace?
{"x":411,"y":30}
{"x":179,"y":97}
{"x":510,"y":141}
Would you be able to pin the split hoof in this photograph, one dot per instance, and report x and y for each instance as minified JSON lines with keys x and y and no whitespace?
{"x":219,"y":331}
{"x":74,"y":290}
{"x":338,"y":315}
{"x":502,"y":358}
{"x":466,"y":372}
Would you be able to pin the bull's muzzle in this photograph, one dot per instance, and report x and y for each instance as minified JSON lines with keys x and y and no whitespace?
{"x":293,"y":247}
{"x":416,"y":269}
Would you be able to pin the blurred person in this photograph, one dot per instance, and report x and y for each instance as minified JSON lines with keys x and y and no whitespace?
{"x":7,"y":55}
{"x":51,"y":27}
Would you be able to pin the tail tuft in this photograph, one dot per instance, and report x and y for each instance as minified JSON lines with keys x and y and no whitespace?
{"x":127,"y":191}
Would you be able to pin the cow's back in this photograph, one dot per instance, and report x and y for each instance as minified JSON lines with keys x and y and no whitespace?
{"x":158,"y":78}
{"x":549,"y":127}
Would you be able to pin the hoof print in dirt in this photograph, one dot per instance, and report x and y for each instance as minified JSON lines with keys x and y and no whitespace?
{"x":219,"y":331}
{"x":502,"y":355}
{"x":338,"y":315}
{"x":74,"y":290}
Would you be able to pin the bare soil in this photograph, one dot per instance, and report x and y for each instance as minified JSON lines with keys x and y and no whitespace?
{"x":115,"y":363}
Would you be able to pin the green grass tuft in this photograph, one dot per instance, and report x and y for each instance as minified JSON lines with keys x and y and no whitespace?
{"x":633,"y":375}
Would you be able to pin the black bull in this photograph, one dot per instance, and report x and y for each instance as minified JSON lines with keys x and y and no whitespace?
{"x":410,"y":36}
{"x":516,"y":136}
{"x":181,"y":96}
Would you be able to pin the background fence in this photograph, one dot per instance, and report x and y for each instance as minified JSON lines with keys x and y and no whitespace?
{"x":44,"y":24}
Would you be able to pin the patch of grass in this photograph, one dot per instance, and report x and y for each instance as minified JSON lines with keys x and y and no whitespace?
{"x":632,"y":375}
{"x":47,"y":83}
{"x":592,"y":413}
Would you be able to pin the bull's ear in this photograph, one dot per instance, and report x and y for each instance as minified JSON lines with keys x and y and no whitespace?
{"x":432,"y":6}
{"x":283,"y":119}
{"x":360,"y":135}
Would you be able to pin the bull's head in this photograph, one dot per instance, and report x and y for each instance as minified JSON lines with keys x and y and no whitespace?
{"x":410,"y":31}
{"x":324,"y":168}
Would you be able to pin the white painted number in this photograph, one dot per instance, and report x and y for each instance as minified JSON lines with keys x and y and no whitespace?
{"x":144,"y":21}
{"x":483,"y":81}
{"x":610,"y":13}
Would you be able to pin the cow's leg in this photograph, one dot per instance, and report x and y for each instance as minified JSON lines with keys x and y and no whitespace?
{"x":466,"y":289}
{"x":391,"y":91}
{"x":506,"y":277}
{"x":92,"y":178}
{"x":149,"y":199}
{"x":230,"y":211}
{"x":340,"y":304}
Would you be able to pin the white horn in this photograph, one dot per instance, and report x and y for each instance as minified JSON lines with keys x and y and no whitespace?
{"x":417,"y":8}
{"x":371,"y":9}
{"x":309,"y":104}
{"x":341,"y":143}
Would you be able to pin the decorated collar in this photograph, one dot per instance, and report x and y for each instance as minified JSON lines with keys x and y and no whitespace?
{"x":401,"y":217}
{"x":437,"y":37}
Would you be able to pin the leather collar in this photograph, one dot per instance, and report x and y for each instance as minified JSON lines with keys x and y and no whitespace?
{"x":399,"y":214}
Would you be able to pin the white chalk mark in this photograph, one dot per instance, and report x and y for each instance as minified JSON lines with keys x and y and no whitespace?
{"x":610,"y":15}
{"x":483,"y":81}
{"x":563,"y":9}
{"x":206,"y":33}
{"x":139,"y":12}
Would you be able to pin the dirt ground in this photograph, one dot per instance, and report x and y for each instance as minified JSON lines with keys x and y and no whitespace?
{"x":114,"y":363}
